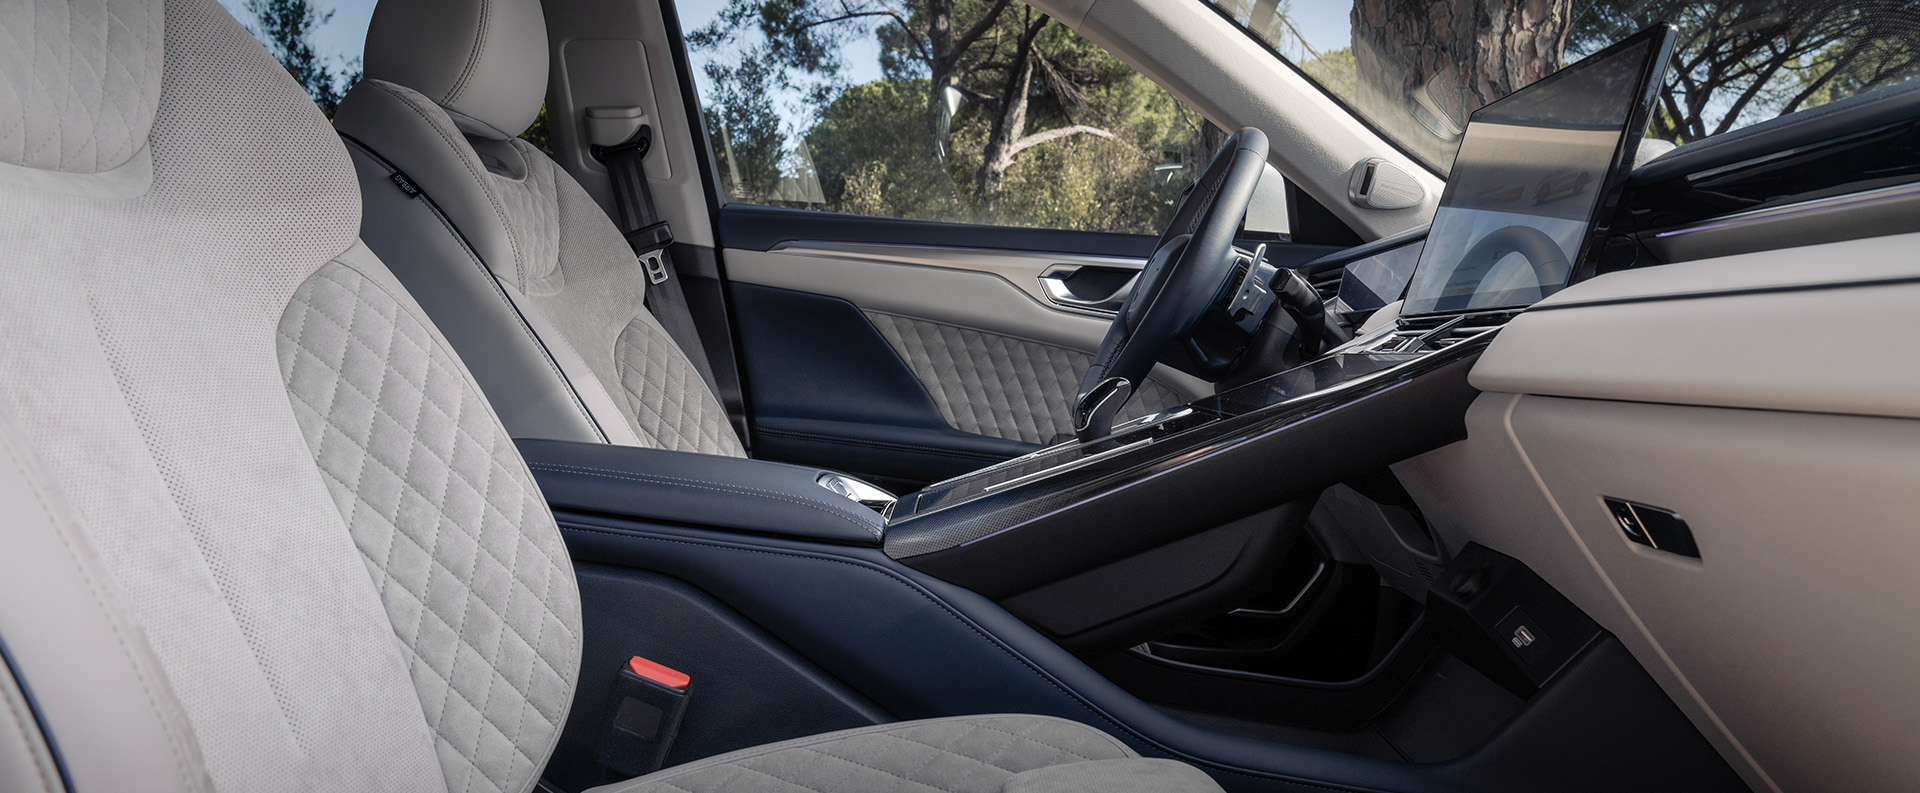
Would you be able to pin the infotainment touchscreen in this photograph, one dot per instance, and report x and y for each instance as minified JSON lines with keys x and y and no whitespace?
{"x":1536,"y":181}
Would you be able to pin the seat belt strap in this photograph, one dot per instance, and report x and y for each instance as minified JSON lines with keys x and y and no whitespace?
{"x":652,"y":240}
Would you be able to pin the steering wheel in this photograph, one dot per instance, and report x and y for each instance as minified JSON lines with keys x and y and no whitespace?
{"x":1191,"y":266}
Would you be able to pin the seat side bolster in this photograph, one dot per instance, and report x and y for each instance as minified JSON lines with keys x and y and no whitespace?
{"x":72,"y":644}
{"x":523,"y":377}
{"x":417,"y":137}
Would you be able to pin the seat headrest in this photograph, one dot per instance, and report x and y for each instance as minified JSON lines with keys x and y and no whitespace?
{"x":485,"y":61}
{"x":79,"y":82}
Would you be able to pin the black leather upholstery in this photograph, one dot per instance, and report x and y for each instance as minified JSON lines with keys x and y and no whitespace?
{"x":752,"y":496}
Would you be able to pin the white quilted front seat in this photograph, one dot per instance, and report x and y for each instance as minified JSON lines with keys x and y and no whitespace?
{"x":528,"y":276}
{"x":261,"y":529}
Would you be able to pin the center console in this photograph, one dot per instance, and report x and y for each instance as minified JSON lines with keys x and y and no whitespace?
{"x":1039,"y":518}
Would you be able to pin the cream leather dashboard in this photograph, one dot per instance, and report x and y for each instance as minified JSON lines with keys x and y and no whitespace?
{"x":1769,"y":399}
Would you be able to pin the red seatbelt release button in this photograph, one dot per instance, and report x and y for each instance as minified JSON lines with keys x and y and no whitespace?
{"x":671,"y":678}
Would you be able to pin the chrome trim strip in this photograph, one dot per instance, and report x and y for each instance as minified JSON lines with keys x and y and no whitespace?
{"x":1065,"y":467}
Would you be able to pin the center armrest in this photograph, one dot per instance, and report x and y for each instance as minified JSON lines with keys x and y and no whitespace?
{"x":704,"y":490}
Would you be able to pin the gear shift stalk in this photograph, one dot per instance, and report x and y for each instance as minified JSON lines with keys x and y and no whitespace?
{"x":1093,"y":412}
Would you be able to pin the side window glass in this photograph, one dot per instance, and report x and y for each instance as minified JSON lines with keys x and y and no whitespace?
{"x":969,"y":112}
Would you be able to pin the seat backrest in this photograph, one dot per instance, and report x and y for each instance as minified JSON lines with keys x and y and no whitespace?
{"x":523,"y":270}
{"x":277,"y":537}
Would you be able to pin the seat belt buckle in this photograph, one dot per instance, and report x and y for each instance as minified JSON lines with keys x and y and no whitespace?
{"x":642,"y":717}
{"x":652,"y":242}
{"x":655,"y":265}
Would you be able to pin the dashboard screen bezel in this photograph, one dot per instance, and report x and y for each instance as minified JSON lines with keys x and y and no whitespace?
{"x":1613,"y":183}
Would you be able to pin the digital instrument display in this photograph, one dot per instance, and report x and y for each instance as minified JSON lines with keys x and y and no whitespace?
{"x":1536,"y":181}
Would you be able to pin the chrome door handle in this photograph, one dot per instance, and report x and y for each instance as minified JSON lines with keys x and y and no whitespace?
{"x":1054,"y":284}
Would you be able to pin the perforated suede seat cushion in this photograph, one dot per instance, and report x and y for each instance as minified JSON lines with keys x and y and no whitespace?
{"x":968,"y":754}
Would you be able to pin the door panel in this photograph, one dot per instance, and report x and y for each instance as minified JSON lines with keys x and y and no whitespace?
{"x":990,"y":291}
{"x":997,"y":353}
{"x":884,"y":361}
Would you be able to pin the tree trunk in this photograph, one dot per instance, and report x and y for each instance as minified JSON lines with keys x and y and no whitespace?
{"x":941,"y":62}
{"x":1010,"y":122}
{"x":944,"y":51}
{"x":1425,"y":65}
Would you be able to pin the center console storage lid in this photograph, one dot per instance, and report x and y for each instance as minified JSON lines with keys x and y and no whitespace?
{"x":730,"y":493}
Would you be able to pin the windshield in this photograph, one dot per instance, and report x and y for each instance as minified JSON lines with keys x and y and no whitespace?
{"x":1415,"y":72}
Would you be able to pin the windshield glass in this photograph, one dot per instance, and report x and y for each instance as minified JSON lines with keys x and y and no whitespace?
{"x":1416,"y":71}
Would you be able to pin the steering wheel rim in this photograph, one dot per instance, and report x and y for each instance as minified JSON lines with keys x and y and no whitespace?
{"x":1190,"y":266}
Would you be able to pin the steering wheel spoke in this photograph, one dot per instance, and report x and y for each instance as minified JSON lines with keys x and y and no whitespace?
{"x":1190,"y":270}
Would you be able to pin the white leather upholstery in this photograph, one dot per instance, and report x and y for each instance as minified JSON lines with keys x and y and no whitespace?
{"x":26,"y":765}
{"x":485,"y":61}
{"x":79,"y":82}
{"x":558,"y":260}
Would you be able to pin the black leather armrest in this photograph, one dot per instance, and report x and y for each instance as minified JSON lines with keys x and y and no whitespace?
{"x":703,"y":490}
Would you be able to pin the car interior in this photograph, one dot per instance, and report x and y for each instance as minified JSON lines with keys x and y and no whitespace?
{"x":506,"y":425}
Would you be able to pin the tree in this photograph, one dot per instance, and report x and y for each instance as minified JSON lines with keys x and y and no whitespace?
{"x":998,"y":83}
{"x":1739,"y":61}
{"x":1425,"y":65}
{"x":286,"y":28}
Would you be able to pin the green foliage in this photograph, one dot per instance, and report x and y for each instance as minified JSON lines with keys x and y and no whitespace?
{"x":1093,"y":144}
{"x":750,"y":141}
{"x":1742,"y":61}
{"x":286,"y":28}
{"x":539,"y":134}
{"x":1336,"y":72}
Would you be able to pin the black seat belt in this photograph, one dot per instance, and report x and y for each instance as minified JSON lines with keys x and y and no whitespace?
{"x":652,"y":241}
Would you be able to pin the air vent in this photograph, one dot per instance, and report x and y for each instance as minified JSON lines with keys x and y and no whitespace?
{"x":1433,"y":333}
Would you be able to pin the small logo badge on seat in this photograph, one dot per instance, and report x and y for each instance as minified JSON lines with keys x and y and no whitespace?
{"x":406,"y":185}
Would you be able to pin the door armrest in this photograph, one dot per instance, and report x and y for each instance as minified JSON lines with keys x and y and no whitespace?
{"x":702,"y":490}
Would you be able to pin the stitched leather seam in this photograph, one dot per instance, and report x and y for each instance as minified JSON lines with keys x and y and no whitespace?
{"x":479,"y":175}
{"x":870,"y":530}
{"x":473,"y":56}
{"x":977,"y":631}
{"x":48,"y":782}
{"x":525,"y":328}
{"x":99,"y":601}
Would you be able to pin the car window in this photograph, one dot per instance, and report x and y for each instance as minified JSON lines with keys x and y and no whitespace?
{"x":1415,"y":74}
{"x":973,"y":112}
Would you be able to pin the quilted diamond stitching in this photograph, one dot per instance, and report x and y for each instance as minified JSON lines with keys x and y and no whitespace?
{"x":1002,"y":386}
{"x":668,"y":401}
{"x":945,"y":756}
{"x":465,"y":555}
{"x":79,"y":82}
